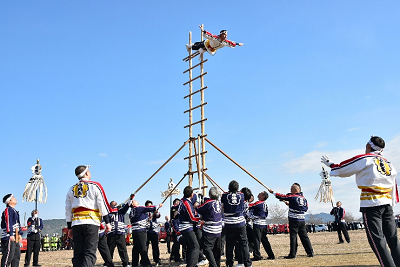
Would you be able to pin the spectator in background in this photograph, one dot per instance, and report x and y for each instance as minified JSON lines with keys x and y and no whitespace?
{"x":339,"y":214}
{"x":167,"y":227}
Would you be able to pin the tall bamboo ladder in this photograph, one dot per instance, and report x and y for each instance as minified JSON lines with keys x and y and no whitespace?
{"x":197,"y":146}
{"x":196,"y":151}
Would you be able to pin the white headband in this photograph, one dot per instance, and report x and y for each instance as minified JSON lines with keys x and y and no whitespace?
{"x":374,"y":147}
{"x":8,"y":199}
{"x":84,"y":172}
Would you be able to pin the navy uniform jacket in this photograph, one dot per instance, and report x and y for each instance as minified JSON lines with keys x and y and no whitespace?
{"x":187,"y":215}
{"x":339,"y":213}
{"x":234,"y":208}
{"x":117,"y":220}
{"x":139,"y":216}
{"x":298,"y":205}
{"x":9,"y":223}
{"x":260,"y":213}
{"x":35,"y":226}
{"x":212,"y":216}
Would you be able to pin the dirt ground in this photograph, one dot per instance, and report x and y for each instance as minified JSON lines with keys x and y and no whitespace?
{"x":327,"y":253}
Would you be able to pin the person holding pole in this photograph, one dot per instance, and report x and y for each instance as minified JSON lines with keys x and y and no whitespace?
{"x":297,"y":207}
{"x":139,"y":216}
{"x":116,"y":237}
{"x":376,"y":177}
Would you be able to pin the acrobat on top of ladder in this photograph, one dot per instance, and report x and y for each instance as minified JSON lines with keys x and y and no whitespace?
{"x":212,"y":42}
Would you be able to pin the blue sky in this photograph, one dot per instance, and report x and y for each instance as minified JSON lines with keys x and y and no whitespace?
{"x":101,"y":83}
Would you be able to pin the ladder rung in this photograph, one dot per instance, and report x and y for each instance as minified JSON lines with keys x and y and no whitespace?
{"x":195,"y":123}
{"x":206,"y":186}
{"x":192,"y":156}
{"x":195,"y":107}
{"x":204,"y":88}
{"x":195,"y":78}
{"x":191,"y":56}
{"x":195,"y":66}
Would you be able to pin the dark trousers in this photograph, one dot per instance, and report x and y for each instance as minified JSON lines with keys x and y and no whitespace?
{"x":11,"y":253}
{"x":86,"y":238}
{"x":118,"y":240}
{"x":168,"y":239}
{"x":199,"y":234}
{"x":152,"y":238}
{"x":237,"y":234}
{"x":250,"y":238}
{"x":33,"y":241}
{"x":198,"y":45}
{"x":341,"y":227}
{"x":139,"y":248}
{"x":104,"y":251}
{"x":175,"y":248}
{"x":381,"y":231}
{"x":223,"y":241}
{"x":260,"y":236}
{"x":299,"y":228}
{"x":193,"y":248}
{"x":212,"y":249}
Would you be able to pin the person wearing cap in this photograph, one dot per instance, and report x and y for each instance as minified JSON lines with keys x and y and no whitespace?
{"x":376,"y":177}
{"x":10,"y":224}
{"x":35,"y":226}
{"x":85,"y":206}
{"x":212,"y":42}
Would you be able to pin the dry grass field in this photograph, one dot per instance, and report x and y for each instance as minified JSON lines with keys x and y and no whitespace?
{"x":327,"y":253}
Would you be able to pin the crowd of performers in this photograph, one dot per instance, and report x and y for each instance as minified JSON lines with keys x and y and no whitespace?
{"x":200,"y":223}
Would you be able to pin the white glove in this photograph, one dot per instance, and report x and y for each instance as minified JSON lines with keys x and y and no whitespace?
{"x":326,"y":160}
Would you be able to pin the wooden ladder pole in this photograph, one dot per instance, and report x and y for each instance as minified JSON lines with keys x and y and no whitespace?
{"x":203,"y":129}
{"x":197,"y":160}
{"x":222,"y":152}
{"x":190,"y":111}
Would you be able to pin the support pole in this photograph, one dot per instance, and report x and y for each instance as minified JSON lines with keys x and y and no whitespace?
{"x":222,"y":152}
{"x":170,"y":193}
{"x":213,"y":182}
{"x":190,"y":112}
{"x":162,"y":166}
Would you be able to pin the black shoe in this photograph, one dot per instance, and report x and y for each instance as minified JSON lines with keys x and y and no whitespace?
{"x":36,"y":265}
{"x":257,"y":259}
{"x":289,"y":257}
{"x":310,"y":255}
{"x":271,"y":258}
{"x":348,"y":241}
{"x":341,"y":242}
